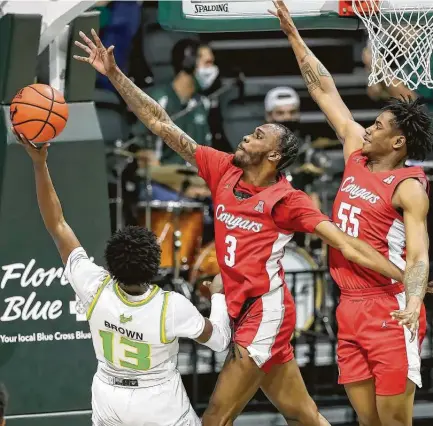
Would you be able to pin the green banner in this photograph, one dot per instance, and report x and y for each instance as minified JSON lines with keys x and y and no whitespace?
{"x":46,"y":358}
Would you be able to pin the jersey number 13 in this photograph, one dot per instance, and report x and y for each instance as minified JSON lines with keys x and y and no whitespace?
{"x":137,"y":352}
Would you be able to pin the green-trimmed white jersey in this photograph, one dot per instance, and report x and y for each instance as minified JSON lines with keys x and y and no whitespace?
{"x":134,"y":337}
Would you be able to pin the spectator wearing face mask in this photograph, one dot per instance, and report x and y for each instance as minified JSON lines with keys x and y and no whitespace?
{"x":195,"y":73}
{"x":282,"y":105}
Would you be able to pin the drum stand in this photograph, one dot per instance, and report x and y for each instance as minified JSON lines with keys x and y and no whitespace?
{"x":143,"y":173}
{"x":321,"y":316}
{"x":321,"y":319}
{"x":324,"y":320}
{"x":178,"y":283}
{"x":120,"y":151}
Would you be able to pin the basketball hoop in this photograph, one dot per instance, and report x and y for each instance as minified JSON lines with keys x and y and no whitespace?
{"x":401,"y":37}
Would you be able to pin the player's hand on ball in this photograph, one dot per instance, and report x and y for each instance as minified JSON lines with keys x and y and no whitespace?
{"x":409,"y":317}
{"x":216,"y":286}
{"x":38,"y":154}
{"x":100,"y":58}
{"x":283,"y":14}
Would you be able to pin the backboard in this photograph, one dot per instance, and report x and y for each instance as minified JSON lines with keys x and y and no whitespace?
{"x":252,"y":15}
{"x":56,"y":17}
{"x":56,"y":14}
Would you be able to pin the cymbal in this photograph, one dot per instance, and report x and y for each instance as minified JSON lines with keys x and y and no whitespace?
{"x":321,"y":143}
{"x":187,"y":172}
{"x":309,"y":168}
{"x":172,"y":175}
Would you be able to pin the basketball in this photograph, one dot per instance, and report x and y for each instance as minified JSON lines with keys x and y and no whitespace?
{"x":39,"y":112}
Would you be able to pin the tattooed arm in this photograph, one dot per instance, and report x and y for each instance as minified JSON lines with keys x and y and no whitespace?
{"x":321,"y":85}
{"x":411,"y":197}
{"x":143,"y":106}
{"x":153,"y":116}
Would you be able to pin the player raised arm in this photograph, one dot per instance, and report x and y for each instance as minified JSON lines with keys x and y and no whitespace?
{"x":321,"y":85}
{"x":411,"y":197}
{"x":49,"y":203}
{"x":148,"y":111}
{"x":357,"y":251}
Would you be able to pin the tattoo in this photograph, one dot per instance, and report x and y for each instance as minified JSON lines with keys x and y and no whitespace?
{"x":304,"y":58}
{"x":154,"y":117}
{"x":415,"y":279}
{"x":322,"y":70}
{"x":308,"y":52}
{"x":178,"y":141}
{"x":310,"y":77}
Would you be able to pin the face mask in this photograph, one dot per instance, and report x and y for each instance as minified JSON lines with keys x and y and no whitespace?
{"x":205,"y":76}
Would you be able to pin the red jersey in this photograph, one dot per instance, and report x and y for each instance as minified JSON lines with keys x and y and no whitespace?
{"x":250,"y":233}
{"x":363,"y":208}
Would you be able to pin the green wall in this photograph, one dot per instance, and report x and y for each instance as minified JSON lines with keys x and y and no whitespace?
{"x":48,"y":362}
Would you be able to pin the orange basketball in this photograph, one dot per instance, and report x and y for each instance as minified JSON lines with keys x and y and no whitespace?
{"x":39,"y":112}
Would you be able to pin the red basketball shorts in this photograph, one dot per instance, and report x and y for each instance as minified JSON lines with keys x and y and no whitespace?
{"x":372,"y":345}
{"x":266,"y":328}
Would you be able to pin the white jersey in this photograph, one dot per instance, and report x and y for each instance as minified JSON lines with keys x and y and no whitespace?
{"x":134,"y":337}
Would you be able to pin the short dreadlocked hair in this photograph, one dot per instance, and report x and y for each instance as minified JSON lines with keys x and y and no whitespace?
{"x":133,"y":255}
{"x":289,"y":146}
{"x":3,"y":401}
{"x":412,"y":119}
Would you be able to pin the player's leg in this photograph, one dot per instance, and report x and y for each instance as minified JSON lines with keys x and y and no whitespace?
{"x":395,"y":361}
{"x":163,"y":404}
{"x":103,"y":402}
{"x":397,"y":410}
{"x":357,"y":379}
{"x":362,"y":396}
{"x":353,"y":366}
{"x":237,"y":383}
{"x":283,"y":384}
{"x":285,"y":388}
{"x":255,"y":335}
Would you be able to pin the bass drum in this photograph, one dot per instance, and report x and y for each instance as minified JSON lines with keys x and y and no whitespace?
{"x":206,"y":266}
{"x":299,"y":268}
{"x":295,"y":260}
{"x":168,"y":217}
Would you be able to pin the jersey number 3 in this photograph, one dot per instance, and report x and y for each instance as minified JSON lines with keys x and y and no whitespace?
{"x":348,"y":221}
{"x":230,"y":257}
{"x":139,"y":353}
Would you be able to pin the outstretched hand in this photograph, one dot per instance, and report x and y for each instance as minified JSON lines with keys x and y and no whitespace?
{"x":38,"y":154}
{"x":216,"y":286}
{"x":409,"y":317}
{"x":283,"y":14}
{"x":100,"y":58}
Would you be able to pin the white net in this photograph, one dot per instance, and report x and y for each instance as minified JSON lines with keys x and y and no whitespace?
{"x":401,"y":37}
